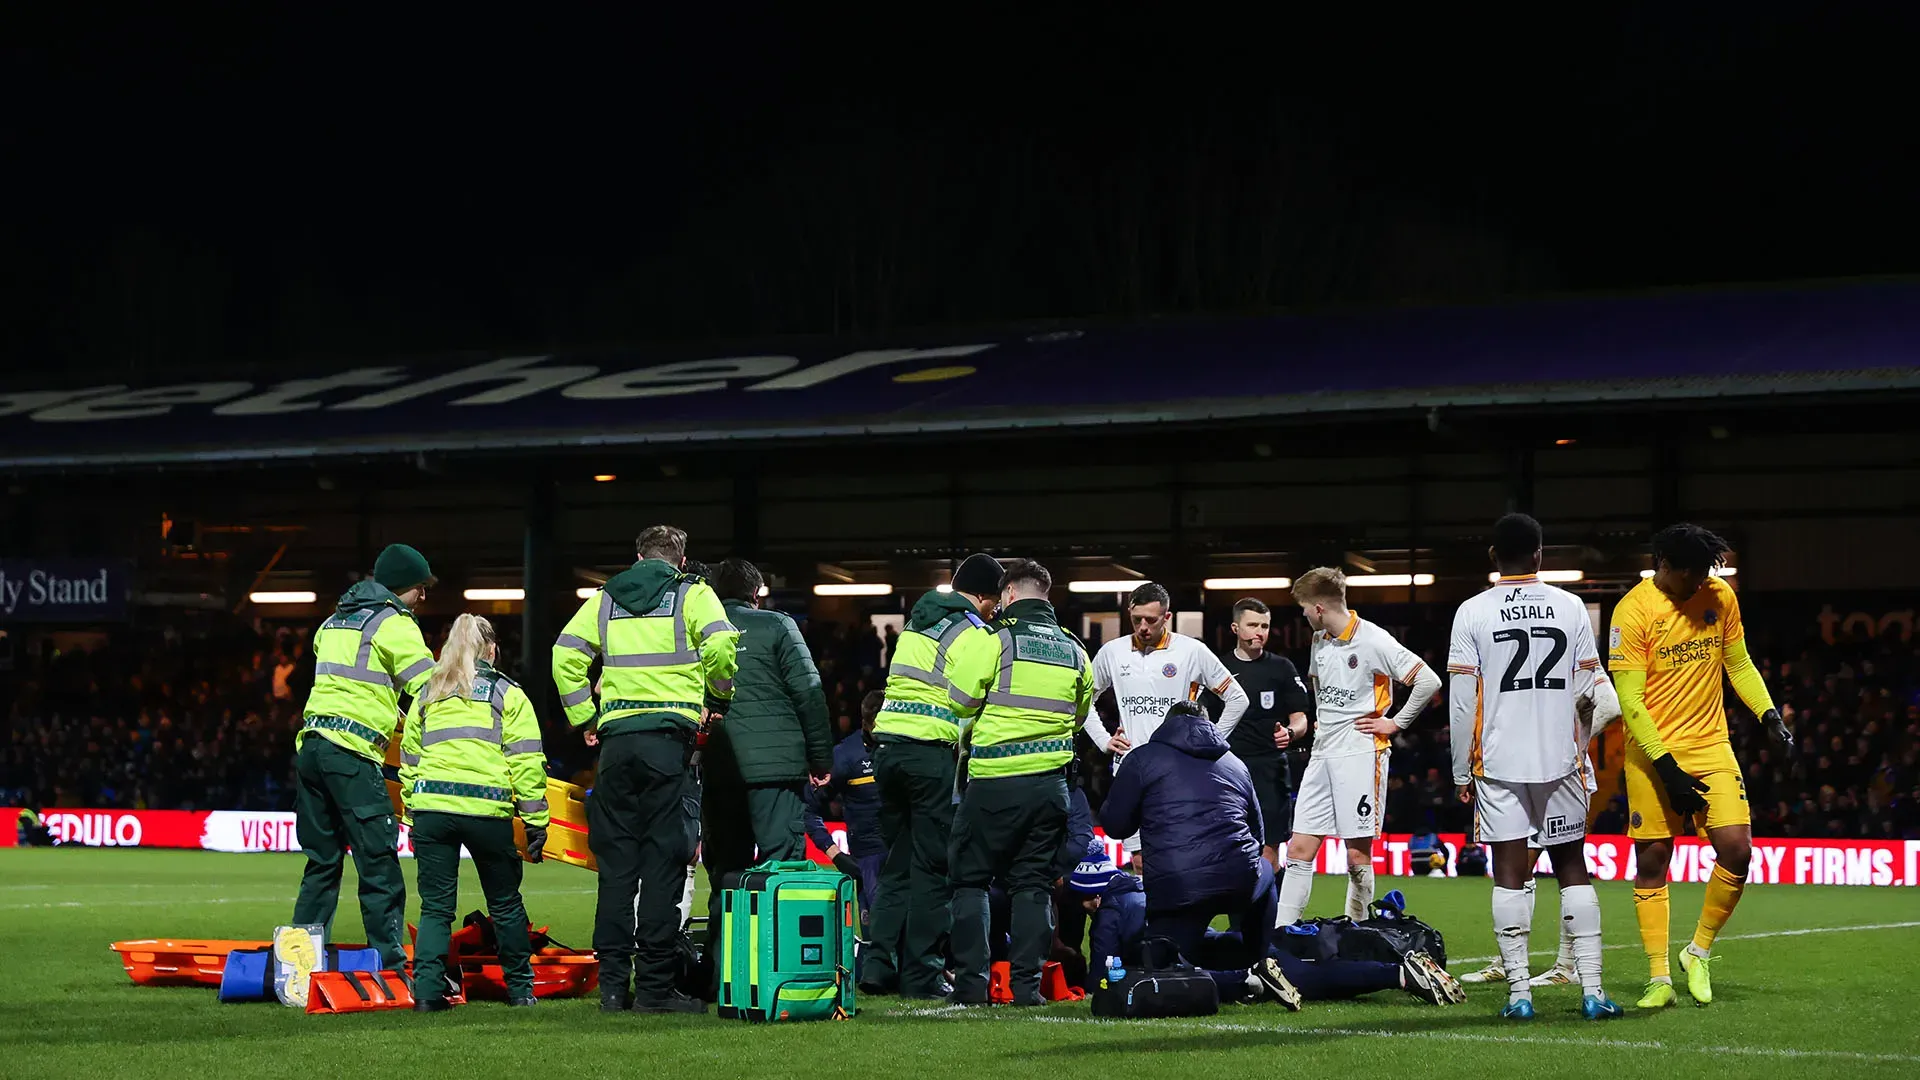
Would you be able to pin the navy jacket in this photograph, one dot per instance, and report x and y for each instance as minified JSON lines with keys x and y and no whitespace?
{"x":859,"y":800}
{"x":1193,"y":805}
{"x":1118,"y":928}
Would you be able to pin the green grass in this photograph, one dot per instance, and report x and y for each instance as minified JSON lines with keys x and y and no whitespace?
{"x":1804,"y":1005}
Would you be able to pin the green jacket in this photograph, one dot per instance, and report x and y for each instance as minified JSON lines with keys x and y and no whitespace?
{"x":665,"y":646}
{"x":940,"y":670}
{"x":1043,"y":690}
{"x":777,"y":726}
{"x":365,"y":656}
{"x":478,"y":755}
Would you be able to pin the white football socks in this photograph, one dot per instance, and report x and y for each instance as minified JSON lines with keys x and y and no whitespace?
{"x":1296,"y":887}
{"x":1512,"y":923}
{"x":1580,"y":920}
{"x":1359,"y":892}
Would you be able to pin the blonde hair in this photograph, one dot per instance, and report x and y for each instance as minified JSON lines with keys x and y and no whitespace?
{"x":459,"y":659}
{"x":1320,"y":585}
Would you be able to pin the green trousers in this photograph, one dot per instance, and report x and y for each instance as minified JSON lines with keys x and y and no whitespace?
{"x":742,"y":824}
{"x":915,"y":906}
{"x":437,"y":839}
{"x":1008,"y":829}
{"x":643,"y":822}
{"x":340,"y":804}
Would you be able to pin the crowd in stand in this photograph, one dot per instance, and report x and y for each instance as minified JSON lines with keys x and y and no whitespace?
{"x":204,"y":717}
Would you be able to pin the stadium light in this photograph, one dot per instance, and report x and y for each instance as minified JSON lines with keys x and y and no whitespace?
{"x":495,"y":594}
{"x":852,"y":589}
{"x":1560,"y":577}
{"x":1251,"y":583}
{"x":603,"y":478}
{"x":283,"y":597}
{"x":585,"y":592}
{"x":944,"y":587}
{"x":1388,"y":581}
{"x":1720,"y":571}
{"x":1105,"y":586}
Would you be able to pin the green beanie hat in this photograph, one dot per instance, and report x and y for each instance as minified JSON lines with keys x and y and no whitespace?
{"x":401,"y":567}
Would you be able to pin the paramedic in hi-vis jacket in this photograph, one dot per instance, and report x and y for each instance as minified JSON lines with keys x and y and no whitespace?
{"x":1012,"y":819}
{"x":470,"y":759}
{"x":666,"y":649}
{"x":367,"y":654}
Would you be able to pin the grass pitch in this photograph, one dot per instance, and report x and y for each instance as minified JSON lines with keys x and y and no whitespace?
{"x":1809,"y":982}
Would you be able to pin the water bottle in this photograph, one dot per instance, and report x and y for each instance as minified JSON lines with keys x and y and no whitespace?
{"x":1115,"y":972}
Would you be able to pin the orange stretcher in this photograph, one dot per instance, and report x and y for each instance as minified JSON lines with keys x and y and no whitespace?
{"x":558,"y":972}
{"x":182,"y":962}
{"x":187,"y":961}
{"x":359,"y":991}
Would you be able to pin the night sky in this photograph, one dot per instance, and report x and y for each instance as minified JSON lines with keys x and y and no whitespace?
{"x":202,"y":193}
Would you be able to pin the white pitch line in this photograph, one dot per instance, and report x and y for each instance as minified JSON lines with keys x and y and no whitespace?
{"x":1723,"y":937}
{"x":184,"y":901}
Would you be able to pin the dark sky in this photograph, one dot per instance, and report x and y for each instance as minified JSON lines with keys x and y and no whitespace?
{"x":215,"y":192}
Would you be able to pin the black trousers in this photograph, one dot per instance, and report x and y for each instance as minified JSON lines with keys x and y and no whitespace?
{"x":1009,"y":830}
{"x":437,"y":839}
{"x":915,"y":906}
{"x":643,"y":823}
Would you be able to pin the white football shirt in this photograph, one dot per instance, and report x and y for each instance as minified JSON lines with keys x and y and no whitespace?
{"x":1353,"y":673}
{"x":1145,"y":685}
{"x":1529,"y":647}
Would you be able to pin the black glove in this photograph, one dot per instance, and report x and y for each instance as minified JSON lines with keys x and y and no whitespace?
{"x":536,"y":843}
{"x":845,"y":863}
{"x":1683,"y":790}
{"x":1778,"y":728}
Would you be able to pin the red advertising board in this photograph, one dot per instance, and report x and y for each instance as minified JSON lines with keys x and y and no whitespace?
{"x":1610,"y":858}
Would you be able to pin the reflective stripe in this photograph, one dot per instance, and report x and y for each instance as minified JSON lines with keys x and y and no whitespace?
{"x":462,"y":791}
{"x":440,"y":735}
{"x":723,"y":686}
{"x":409,"y":758}
{"x":606,"y":616}
{"x":357,"y":674}
{"x":963,"y":699}
{"x":576,"y":697}
{"x":1007,"y":652}
{"x":366,"y":636}
{"x":351,"y":727}
{"x":528,"y":806}
{"x":721,"y":627}
{"x":1022,"y":749}
{"x":525,"y":746}
{"x":415,"y":670}
{"x":633,"y":706}
{"x":914,"y":708}
{"x":576,"y":643}
{"x":931,"y":678}
{"x":1038,"y":704}
{"x":672,"y":659}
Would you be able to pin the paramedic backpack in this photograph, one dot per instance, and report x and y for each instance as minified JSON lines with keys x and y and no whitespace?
{"x":1165,"y":986}
{"x":784,"y":947}
{"x":1388,"y":937}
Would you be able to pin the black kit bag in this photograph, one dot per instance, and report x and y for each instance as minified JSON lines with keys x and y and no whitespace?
{"x":1165,"y":986}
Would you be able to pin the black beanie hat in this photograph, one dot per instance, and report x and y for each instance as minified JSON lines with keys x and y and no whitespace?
{"x":979,"y":576}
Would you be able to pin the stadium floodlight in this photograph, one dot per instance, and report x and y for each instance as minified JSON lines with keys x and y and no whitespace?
{"x":283,"y":597}
{"x":1125,"y":585}
{"x":585,"y":592}
{"x":495,"y":594}
{"x":1718,"y":571}
{"x":1557,"y":577}
{"x":944,"y":587}
{"x":604,"y":478}
{"x":1388,"y":581}
{"x":852,"y":589}
{"x":1248,"y":583}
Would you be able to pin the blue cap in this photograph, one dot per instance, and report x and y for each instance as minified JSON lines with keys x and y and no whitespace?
{"x":1095,"y":871}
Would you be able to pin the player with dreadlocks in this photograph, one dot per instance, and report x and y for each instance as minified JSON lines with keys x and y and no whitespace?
{"x":1672,"y":637}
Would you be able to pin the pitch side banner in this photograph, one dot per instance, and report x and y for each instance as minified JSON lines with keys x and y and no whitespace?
{"x":1609,"y":858}
{"x":1582,"y":350}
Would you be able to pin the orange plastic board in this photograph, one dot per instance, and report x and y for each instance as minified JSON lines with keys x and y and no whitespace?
{"x":178,"y":962}
{"x":357,"y":991}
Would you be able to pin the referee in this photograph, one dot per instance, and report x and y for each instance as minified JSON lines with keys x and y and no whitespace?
{"x":1276,"y":717}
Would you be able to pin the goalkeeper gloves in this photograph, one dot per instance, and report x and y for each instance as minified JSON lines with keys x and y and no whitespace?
{"x":1683,"y":789}
{"x":1778,"y":728}
{"x":536,"y":843}
{"x":845,"y":863}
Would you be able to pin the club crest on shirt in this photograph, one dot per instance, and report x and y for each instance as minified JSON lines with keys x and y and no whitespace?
{"x":1712,"y":616}
{"x":1353,"y":661}
{"x":1168,"y":671}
